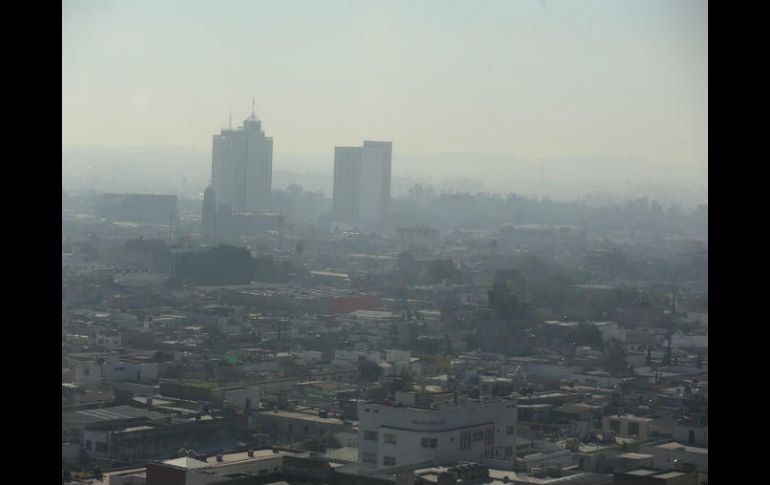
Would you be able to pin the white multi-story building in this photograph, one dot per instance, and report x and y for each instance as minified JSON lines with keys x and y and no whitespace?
{"x":90,"y":371}
{"x":362,"y":184}
{"x":242,"y":167}
{"x":454,"y":430}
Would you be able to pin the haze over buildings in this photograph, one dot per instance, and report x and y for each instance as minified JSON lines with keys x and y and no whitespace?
{"x":344,"y":319}
{"x":519,"y":95}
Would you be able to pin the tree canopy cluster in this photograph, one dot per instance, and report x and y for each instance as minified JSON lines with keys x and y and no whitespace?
{"x":220,"y":265}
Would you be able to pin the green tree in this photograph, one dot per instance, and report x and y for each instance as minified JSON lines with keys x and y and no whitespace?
{"x":505,"y":301}
{"x":614,"y":358}
{"x":369,"y":371}
{"x":443,"y":269}
{"x":552,"y":291}
{"x":585,"y":334}
{"x":294,"y":369}
{"x":222,"y":265}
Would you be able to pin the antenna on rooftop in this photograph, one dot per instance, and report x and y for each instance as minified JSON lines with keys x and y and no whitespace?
{"x":673,"y":302}
{"x":253,"y":108}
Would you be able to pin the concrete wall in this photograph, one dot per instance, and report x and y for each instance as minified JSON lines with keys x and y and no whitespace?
{"x":239,"y":397}
{"x":87,"y":374}
{"x":557,"y":459}
{"x":159,"y":474}
{"x":285,"y":428}
{"x":466,"y":431}
{"x":131,"y":372}
{"x":625,"y":422}
{"x":135,"y":478}
{"x":98,"y":441}
{"x":681,"y":433}
{"x":261,"y":467}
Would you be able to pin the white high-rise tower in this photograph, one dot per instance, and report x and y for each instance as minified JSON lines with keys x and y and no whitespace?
{"x":242,"y":167}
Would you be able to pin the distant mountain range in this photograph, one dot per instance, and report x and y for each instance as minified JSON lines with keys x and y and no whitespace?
{"x":186,"y":172}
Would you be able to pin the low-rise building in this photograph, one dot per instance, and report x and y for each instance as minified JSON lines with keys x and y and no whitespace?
{"x":627,"y":426}
{"x":142,"y":440}
{"x":466,"y":429}
{"x":666,"y":454}
{"x":293,"y":426}
{"x":651,"y":476}
{"x":76,"y":421}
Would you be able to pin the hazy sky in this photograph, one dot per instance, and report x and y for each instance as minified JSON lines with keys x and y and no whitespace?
{"x":532,"y":78}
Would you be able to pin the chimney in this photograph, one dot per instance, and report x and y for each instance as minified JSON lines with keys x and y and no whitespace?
{"x":220,"y":458}
{"x":250,"y":453}
{"x":149,"y":402}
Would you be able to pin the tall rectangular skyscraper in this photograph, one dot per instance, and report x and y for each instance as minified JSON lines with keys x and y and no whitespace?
{"x":362,"y":183}
{"x":347,"y":187}
{"x":375,"y":181}
{"x":242,"y":167}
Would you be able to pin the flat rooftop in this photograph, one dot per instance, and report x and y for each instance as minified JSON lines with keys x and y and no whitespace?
{"x":373,"y":314}
{"x":671,"y":474}
{"x":629,"y":417}
{"x":634,"y":456}
{"x":673,"y":446}
{"x":209,"y":462}
{"x":114,"y":413}
{"x":642,"y":472}
{"x":302,"y":416}
{"x":498,"y":477}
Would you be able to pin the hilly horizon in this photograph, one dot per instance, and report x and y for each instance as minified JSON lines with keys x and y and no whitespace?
{"x":186,"y":172}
